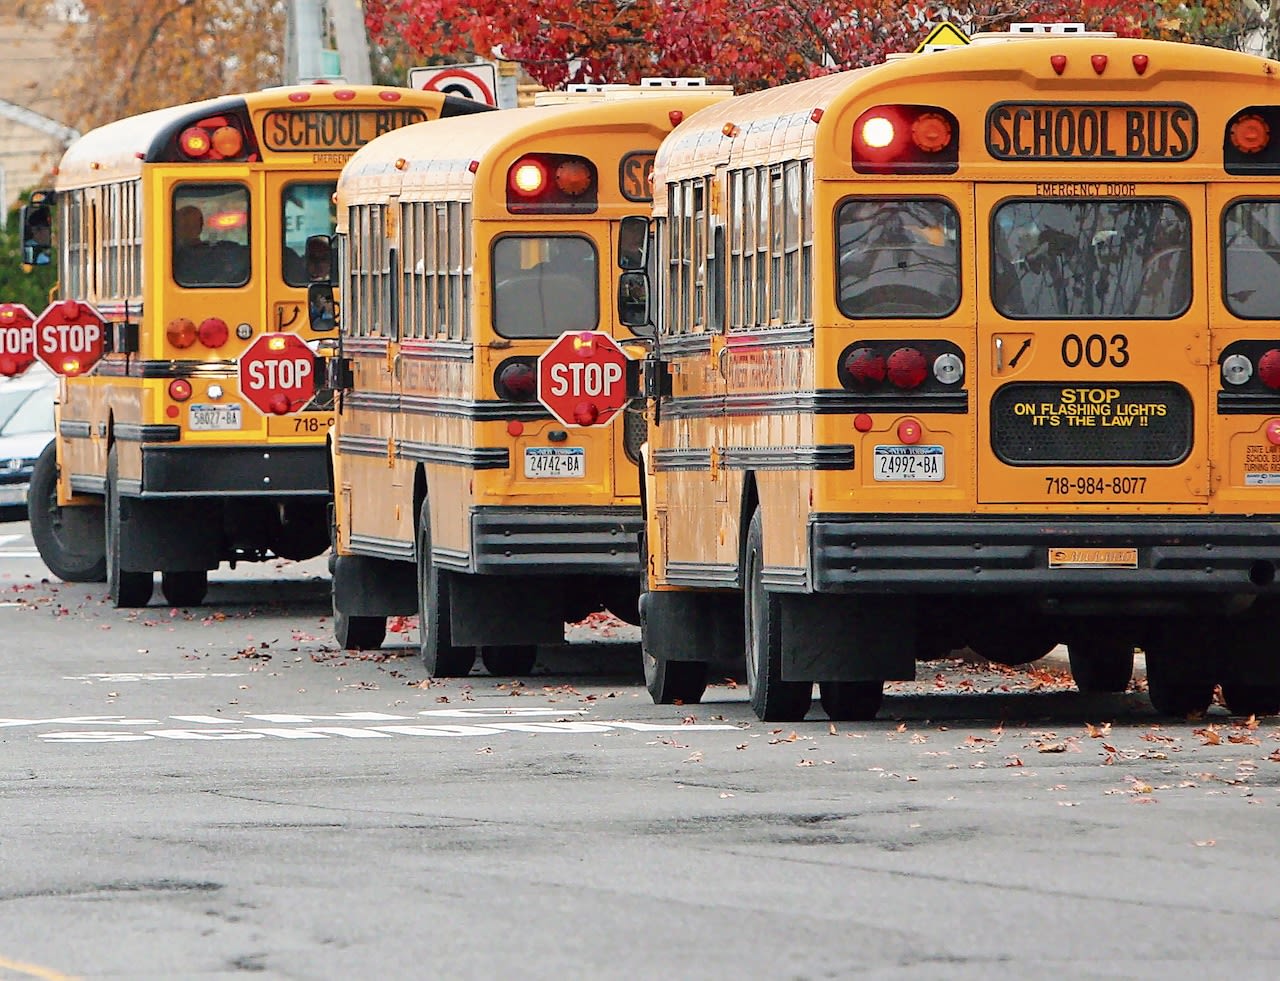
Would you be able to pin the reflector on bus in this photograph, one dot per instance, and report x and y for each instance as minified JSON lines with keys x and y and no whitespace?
{"x":552,"y":184}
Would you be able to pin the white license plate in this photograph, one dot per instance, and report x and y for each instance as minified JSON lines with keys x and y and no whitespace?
{"x":211,"y":417}
{"x":924,"y":463}
{"x":555,"y":461}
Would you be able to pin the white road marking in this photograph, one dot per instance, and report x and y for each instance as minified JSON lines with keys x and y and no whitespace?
{"x":6,"y":539}
{"x":151,"y":676}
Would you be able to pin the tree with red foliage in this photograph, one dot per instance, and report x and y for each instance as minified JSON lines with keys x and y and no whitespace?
{"x":747,"y":43}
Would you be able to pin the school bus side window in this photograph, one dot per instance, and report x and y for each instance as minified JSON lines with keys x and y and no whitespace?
{"x":210,"y":235}
{"x":1091,"y":259}
{"x":898,"y":257}
{"x":307,"y":209}
{"x":544,"y":285}
{"x":1251,"y":258}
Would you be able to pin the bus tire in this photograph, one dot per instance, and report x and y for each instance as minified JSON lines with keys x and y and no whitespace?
{"x":851,"y":701}
{"x":509,"y":660}
{"x":358,"y":633}
{"x":440,"y":658}
{"x":71,"y":540}
{"x":1101,"y":664}
{"x":772,"y":699}
{"x":1250,"y":698}
{"x":184,"y":588}
{"x":126,"y":588}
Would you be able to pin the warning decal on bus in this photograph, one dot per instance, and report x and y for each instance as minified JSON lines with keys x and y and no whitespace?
{"x":293,"y":130}
{"x":1095,"y":131}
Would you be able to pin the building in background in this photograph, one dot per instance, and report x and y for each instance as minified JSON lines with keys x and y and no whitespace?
{"x":32,"y":136}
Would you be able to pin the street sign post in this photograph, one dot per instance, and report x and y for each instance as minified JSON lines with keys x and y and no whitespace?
{"x":17,"y":339}
{"x":582,"y":378}
{"x":277,"y":373}
{"x":70,"y":337}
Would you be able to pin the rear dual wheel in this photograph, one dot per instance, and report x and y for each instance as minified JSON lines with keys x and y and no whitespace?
{"x":773,"y":699}
{"x":440,"y":658}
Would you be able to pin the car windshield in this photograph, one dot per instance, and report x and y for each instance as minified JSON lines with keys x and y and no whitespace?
{"x":33,"y":415}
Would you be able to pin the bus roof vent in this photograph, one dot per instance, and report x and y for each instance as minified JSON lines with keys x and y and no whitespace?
{"x":1017,"y":31}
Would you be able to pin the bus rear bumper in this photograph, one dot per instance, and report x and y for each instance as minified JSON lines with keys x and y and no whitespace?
{"x":555,"y":540}
{"x":258,"y":471}
{"x":972,"y":555}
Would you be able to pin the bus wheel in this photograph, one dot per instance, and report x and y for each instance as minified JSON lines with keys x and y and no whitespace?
{"x":1179,"y":698}
{"x":184,"y":588}
{"x":1251,"y":699}
{"x":509,"y":660}
{"x":1101,"y":664}
{"x":71,"y":541}
{"x":127,"y":589}
{"x":851,"y":701}
{"x":773,"y":699}
{"x":359,"y":633}
{"x":439,"y":656}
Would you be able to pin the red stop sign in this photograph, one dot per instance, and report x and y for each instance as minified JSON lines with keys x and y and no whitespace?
{"x":278,"y":373}
{"x":17,"y":338}
{"x":70,"y":337}
{"x":582,"y":378}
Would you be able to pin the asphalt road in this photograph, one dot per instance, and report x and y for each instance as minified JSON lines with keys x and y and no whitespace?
{"x":218,"y":792}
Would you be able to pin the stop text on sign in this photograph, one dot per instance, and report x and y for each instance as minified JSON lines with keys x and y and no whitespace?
{"x":291,"y":373}
{"x":19,"y":340}
{"x":584,"y":378}
{"x":1093,"y":131}
{"x":69,"y":338}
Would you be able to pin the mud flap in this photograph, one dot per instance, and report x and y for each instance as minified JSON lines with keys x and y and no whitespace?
{"x":505,"y":610}
{"x":847,"y":638}
{"x":367,"y":587}
{"x":675,"y":627}
{"x":169,"y":535}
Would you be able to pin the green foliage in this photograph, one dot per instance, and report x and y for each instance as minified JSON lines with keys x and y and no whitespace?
{"x":17,"y":286}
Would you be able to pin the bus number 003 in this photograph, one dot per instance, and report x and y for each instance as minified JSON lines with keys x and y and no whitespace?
{"x":1095,"y":350}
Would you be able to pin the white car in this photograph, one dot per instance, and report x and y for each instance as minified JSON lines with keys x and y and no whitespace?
{"x":26,"y":427}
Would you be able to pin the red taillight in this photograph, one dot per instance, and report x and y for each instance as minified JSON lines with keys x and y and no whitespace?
{"x":910,"y":431}
{"x":227,"y":141}
{"x":213,"y":332}
{"x":179,"y":389}
{"x":528,"y":178}
{"x":907,"y":368}
{"x":1269,"y":368}
{"x":1250,"y":133}
{"x":864,"y":366}
{"x":181,"y":332}
{"x":516,"y":381}
{"x":195,"y":142}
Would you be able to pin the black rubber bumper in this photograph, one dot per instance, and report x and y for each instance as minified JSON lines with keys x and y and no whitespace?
{"x":933,"y":554}
{"x":266,"y":471}
{"x":546,"y":541}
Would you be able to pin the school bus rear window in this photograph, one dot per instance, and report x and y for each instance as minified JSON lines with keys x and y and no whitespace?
{"x":544,"y":285}
{"x":1251,"y":258}
{"x":306,"y":209}
{"x":211,"y":235}
{"x":1091,"y":259}
{"x":898,"y":258}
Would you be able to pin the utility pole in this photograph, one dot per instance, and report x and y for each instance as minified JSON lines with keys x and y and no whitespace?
{"x":310,"y":22}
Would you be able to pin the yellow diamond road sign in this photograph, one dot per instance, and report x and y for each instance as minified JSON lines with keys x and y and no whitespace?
{"x":945,"y":35}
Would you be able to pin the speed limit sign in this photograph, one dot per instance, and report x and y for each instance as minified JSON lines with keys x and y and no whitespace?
{"x":478,"y":82}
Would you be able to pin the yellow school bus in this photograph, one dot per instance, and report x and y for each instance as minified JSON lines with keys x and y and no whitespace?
{"x":971,"y":347}
{"x":465,"y":253}
{"x":194,"y":232}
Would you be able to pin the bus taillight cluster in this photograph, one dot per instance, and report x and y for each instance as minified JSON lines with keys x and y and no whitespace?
{"x":906,"y":140}
{"x":516,"y":380}
{"x":895,"y":366}
{"x":182,"y":332}
{"x":552,"y":184}
{"x":215,"y":138}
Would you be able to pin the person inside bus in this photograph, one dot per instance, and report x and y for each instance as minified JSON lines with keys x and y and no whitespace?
{"x":39,"y":238}
{"x":190,"y":253}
